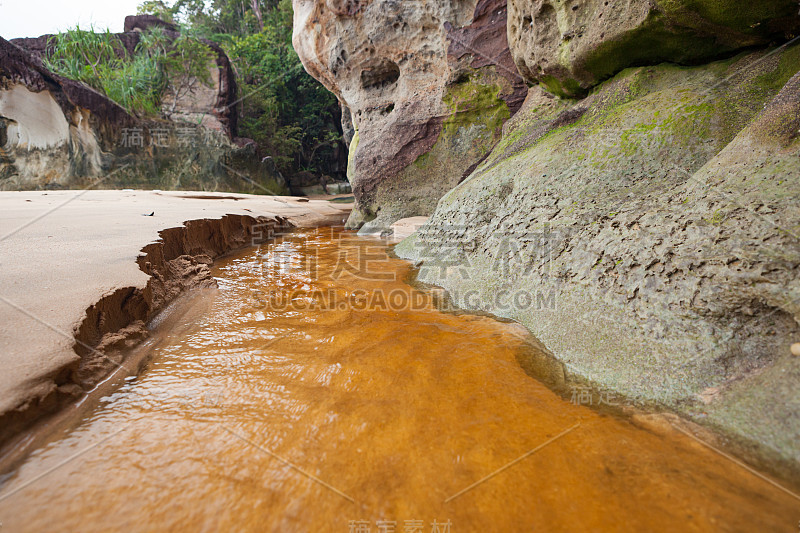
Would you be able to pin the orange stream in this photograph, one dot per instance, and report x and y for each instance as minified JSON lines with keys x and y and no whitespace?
{"x":265,"y":414}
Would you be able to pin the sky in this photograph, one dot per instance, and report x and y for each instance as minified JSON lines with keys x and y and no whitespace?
{"x":31,"y":18}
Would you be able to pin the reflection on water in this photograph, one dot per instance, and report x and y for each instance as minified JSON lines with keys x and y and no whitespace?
{"x":312,"y":398}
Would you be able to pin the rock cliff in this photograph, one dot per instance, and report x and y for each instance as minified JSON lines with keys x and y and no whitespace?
{"x":571,"y":46}
{"x":639,"y":214}
{"x":426,"y":86}
{"x":59,"y":133}
{"x":649,"y":237}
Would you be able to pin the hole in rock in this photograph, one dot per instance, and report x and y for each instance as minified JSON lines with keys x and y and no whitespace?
{"x":379,"y":75}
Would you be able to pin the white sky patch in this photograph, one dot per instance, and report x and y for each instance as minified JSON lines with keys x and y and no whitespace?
{"x":32,"y":18}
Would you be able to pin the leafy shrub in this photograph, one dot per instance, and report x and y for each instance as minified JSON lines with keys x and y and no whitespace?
{"x":138,"y":82}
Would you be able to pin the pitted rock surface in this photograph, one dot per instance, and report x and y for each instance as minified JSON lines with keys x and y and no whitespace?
{"x":395,"y":67}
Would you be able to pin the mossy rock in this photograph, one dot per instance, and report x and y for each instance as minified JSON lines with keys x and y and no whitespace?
{"x":661,"y":211}
{"x":473,"y":125}
{"x":569,"y":47}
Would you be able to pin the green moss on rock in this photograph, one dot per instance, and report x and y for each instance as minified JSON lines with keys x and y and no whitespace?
{"x":475,"y":101}
{"x":580,"y":44}
{"x":472,"y":127}
{"x":662,"y":211}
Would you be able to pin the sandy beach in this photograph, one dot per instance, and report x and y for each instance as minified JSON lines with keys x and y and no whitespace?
{"x":62,"y":251}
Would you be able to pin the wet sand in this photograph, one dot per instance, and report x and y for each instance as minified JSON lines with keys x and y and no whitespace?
{"x":61,"y":251}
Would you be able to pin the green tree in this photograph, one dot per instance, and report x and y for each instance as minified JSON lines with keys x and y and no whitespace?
{"x":290,"y":115}
{"x":157,"y":8}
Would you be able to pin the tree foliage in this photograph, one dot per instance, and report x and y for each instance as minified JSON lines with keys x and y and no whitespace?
{"x":290,"y":115}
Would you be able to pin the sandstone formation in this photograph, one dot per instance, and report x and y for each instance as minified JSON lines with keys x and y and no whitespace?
{"x":47,"y":123}
{"x":649,"y":236}
{"x":426,"y":86}
{"x":571,"y":46}
{"x":140,"y":23}
{"x":57,"y":133}
{"x":215,"y":106}
{"x":639,"y":214}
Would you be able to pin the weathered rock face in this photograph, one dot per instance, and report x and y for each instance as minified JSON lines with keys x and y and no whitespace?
{"x":649,"y":236}
{"x":44,"y":121}
{"x":146,"y":22}
{"x":427,"y":86}
{"x":571,"y":46}
{"x":59,"y":133}
{"x":214,"y":106}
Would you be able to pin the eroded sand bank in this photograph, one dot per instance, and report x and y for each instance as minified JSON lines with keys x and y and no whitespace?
{"x":69,"y":267}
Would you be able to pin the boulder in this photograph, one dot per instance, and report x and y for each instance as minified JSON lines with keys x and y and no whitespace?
{"x":46,"y":123}
{"x":215,"y":106}
{"x":145,"y":22}
{"x":571,"y":46}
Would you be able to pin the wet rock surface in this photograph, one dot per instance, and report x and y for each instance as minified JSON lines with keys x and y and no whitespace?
{"x":638,"y":214}
{"x":648,"y":235}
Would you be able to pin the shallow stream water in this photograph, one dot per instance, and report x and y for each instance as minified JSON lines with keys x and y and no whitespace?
{"x":319,"y":391}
